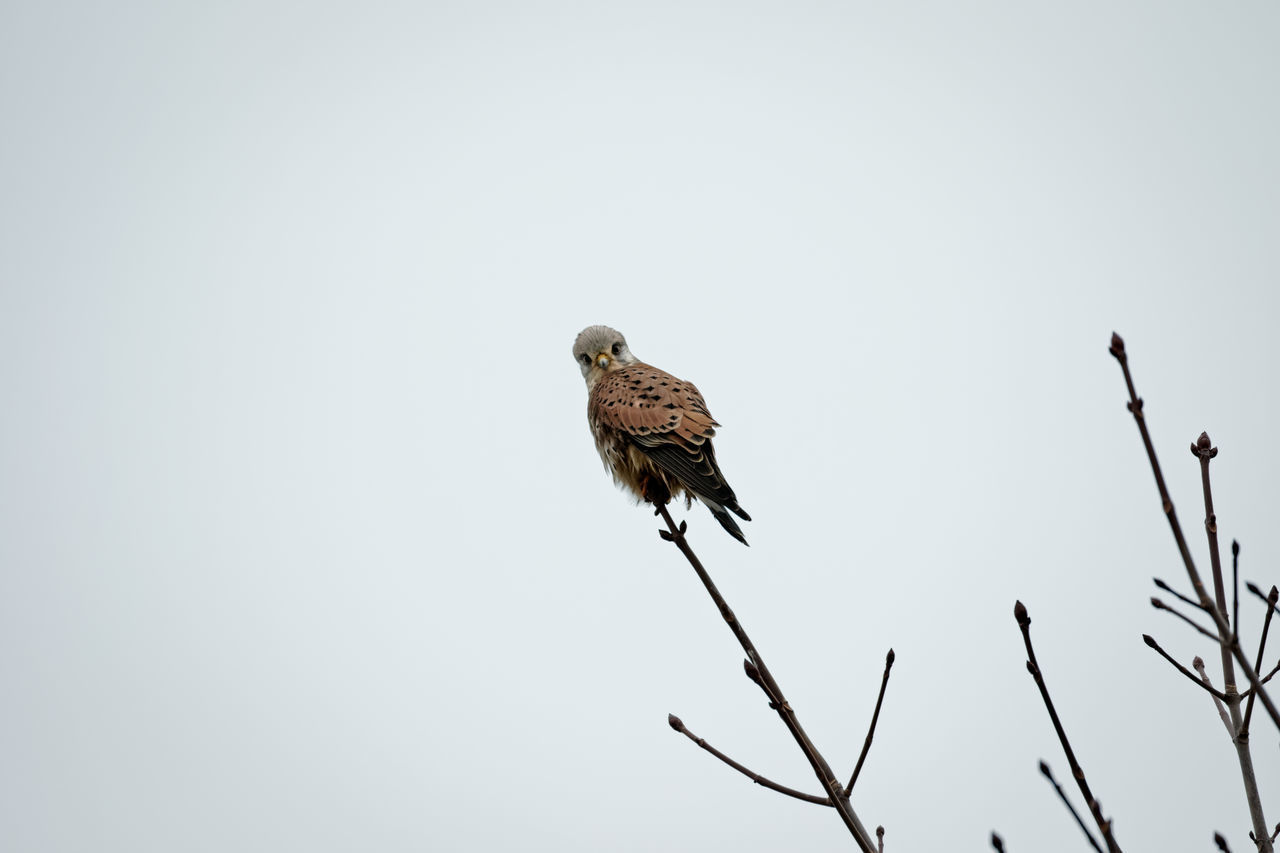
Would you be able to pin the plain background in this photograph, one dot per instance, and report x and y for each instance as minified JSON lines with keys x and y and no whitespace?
{"x":303,"y":541}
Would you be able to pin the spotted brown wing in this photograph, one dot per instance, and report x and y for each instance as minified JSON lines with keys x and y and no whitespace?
{"x":667,"y":420}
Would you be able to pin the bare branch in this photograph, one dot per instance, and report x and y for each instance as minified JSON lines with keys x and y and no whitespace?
{"x":1062,"y":795}
{"x":1270,"y":602}
{"x":1135,"y":408}
{"x":1235,"y":589}
{"x":1270,"y":675}
{"x":1160,"y":605}
{"x":871,"y":731}
{"x":997,"y":843}
{"x":1198,"y":663}
{"x":1221,"y":842}
{"x":1104,"y":825}
{"x":1151,"y":641}
{"x":676,"y":535}
{"x":677,"y":724}
{"x":1197,"y":605}
{"x":1262,"y":644}
{"x":1204,"y":450}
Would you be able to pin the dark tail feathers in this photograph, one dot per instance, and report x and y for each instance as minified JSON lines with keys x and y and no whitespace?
{"x":727,"y":522}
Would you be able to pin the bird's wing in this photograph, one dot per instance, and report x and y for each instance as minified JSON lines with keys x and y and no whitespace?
{"x":667,"y":420}
{"x":653,"y":407}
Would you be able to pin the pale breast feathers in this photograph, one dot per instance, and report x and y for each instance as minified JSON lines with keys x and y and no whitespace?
{"x":652,"y":407}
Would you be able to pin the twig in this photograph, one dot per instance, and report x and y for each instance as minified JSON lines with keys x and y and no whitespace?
{"x":1062,"y":795}
{"x":1235,"y":590}
{"x":1267,"y":599}
{"x":1151,"y":641}
{"x":1270,"y":675}
{"x":1221,"y":842}
{"x":1180,"y":596}
{"x":1204,"y":450}
{"x":997,"y":843}
{"x":1135,"y":408}
{"x":677,"y":724}
{"x":819,"y":764}
{"x":871,"y":731}
{"x":1160,"y":605}
{"x":879,"y":839}
{"x":1262,"y":644}
{"x":1198,"y":663}
{"x":1104,"y":825}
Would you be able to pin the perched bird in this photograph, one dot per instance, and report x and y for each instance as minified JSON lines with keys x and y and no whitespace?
{"x":652,"y":430}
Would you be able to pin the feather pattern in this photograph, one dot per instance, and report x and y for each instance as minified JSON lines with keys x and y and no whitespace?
{"x":654,"y":434}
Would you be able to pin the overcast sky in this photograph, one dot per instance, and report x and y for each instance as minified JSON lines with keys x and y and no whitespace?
{"x":304,"y":544}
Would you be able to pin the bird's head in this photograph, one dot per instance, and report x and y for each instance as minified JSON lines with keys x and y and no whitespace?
{"x":600,"y":349}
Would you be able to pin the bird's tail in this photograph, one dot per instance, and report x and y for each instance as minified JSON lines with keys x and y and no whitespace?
{"x":727,"y":522}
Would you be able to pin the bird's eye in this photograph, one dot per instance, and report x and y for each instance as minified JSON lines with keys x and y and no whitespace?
{"x":584,"y":358}
{"x":617,"y":348}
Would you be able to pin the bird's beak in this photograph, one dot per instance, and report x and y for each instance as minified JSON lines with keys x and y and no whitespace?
{"x":603,"y":359}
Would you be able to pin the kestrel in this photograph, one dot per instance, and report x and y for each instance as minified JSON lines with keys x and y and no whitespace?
{"x":652,"y":430}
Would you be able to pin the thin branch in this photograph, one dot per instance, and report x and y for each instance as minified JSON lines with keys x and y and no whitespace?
{"x":1267,"y":599}
{"x":677,"y":724}
{"x":1135,"y":408}
{"x":1262,"y":644}
{"x":1198,"y":663}
{"x":1204,"y":450}
{"x":1184,"y":599}
{"x":1151,"y":641}
{"x":1160,"y":605}
{"x":1104,"y":825}
{"x":819,"y":764}
{"x":879,"y":839}
{"x":1221,"y":842}
{"x":1062,"y":795}
{"x":1270,"y":675}
{"x":997,"y":843}
{"x":871,"y":731}
{"x":1235,"y":590}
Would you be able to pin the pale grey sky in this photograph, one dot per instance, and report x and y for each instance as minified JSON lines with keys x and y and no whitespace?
{"x":303,"y":541}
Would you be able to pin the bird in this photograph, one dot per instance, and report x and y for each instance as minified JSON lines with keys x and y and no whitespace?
{"x":652,"y":430}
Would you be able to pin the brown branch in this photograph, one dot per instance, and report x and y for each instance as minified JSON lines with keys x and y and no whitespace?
{"x":1180,"y":596}
{"x":1104,"y":825}
{"x":770,"y":686}
{"x":1219,"y":620}
{"x":1262,"y":644}
{"x":1198,"y":664}
{"x":1062,"y":795}
{"x":1267,"y":599}
{"x":677,"y":724}
{"x":1160,"y":605}
{"x":871,"y":731}
{"x":1204,"y":450}
{"x":1270,"y":675}
{"x":1151,"y":641}
{"x":1235,"y":590}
